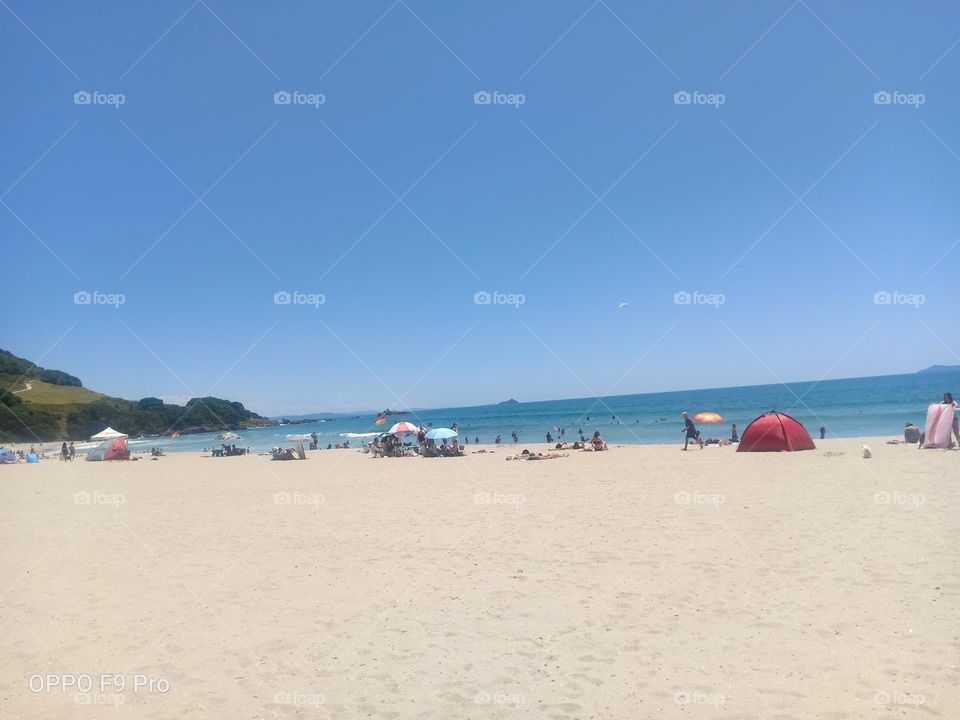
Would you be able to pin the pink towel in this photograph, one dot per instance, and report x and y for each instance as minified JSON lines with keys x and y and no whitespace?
{"x":939,"y":425}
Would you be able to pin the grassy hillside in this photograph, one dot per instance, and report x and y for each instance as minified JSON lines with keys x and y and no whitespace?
{"x":43,"y":393}
{"x":37,"y":404}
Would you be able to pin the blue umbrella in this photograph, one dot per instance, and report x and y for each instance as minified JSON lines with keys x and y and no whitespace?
{"x":441,"y":434}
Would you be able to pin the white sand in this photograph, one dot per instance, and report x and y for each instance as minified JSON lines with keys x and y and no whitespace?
{"x":639,"y":583}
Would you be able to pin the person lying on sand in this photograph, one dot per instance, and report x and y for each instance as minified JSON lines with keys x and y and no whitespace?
{"x":527,"y":455}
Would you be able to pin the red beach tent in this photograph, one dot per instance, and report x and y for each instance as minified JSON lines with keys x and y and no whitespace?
{"x":775,"y":432}
{"x":110,"y":450}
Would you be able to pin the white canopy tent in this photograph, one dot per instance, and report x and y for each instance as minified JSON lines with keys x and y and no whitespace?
{"x":107,"y":434}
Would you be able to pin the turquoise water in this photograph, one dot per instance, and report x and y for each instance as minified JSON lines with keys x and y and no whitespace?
{"x":886,"y":403}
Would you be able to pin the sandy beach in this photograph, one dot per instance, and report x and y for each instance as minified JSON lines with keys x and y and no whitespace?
{"x":643,"y":582}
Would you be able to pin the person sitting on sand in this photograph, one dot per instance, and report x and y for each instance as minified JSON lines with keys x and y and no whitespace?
{"x":597,"y":442}
{"x":691,"y":431}
{"x":911,"y":433}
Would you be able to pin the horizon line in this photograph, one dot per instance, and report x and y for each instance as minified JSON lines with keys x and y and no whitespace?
{"x":595,"y":397}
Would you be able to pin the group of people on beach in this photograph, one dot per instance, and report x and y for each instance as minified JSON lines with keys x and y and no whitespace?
{"x":691,"y":433}
{"x":66,"y":452}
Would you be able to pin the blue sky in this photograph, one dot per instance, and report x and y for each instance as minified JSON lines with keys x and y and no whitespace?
{"x":784,"y":189}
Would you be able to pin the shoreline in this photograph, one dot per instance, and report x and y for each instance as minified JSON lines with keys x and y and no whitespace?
{"x":52,"y":449}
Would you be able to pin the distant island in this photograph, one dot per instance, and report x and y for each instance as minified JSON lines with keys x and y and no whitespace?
{"x":43,"y":405}
{"x":511,"y":401}
{"x":939,"y":369}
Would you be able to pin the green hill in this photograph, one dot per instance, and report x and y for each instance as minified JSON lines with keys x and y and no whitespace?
{"x":37,"y":404}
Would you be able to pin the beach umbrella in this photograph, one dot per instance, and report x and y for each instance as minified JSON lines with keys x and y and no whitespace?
{"x":403,"y":427}
{"x":708,"y":417}
{"x":441,"y":434}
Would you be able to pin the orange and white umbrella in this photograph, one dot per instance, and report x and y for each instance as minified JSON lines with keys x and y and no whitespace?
{"x":708,"y":417}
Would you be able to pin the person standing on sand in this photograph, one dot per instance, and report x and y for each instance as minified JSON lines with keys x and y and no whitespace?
{"x":823,"y":432}
{"x":733,"y":434}
{"x":72,"y":450}
{"x":948,"y":400}
{"x":691,"y":432}
{"x":64,"y":452}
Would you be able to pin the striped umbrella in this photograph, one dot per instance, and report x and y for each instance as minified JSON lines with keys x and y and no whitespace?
{"x":403,"y":427}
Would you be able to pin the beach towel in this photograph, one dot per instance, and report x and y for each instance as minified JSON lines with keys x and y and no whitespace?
{"x":939,"y":425}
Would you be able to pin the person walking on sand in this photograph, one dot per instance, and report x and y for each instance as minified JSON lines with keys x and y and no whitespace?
{"x":64,"y":452}
{"x":691,"y":431}
{"x":73,"y":451}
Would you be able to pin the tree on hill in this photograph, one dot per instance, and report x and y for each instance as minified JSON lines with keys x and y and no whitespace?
{"x":10,"y":364}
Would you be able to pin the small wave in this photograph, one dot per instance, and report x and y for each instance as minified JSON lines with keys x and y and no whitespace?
{"x":359,"y":435}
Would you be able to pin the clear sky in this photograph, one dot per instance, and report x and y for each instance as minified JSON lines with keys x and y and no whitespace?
{"x":784,"y":188}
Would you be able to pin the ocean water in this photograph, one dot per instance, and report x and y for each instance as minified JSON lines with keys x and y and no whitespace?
{"x":847,"y":408}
